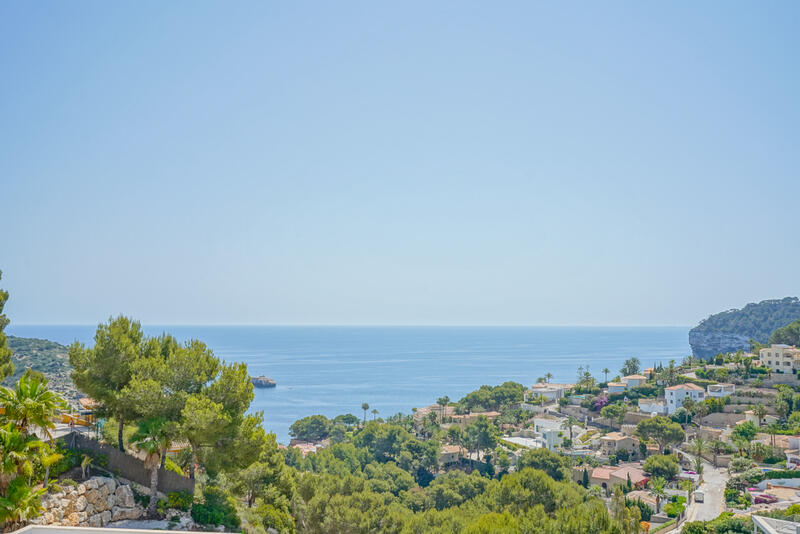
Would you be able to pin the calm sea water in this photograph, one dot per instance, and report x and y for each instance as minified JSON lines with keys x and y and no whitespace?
{"x":332,"y":370}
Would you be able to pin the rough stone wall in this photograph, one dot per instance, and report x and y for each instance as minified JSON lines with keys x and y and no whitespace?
{"x":94,"y":503}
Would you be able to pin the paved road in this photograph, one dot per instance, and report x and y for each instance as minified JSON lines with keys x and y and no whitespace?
{"x":713,"y":487}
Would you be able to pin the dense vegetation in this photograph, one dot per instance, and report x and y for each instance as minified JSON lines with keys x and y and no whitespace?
{"x":6,"y":366}
{"x":789,"y":334}
{"x":756,"y":320}
{"x":25,"y":460}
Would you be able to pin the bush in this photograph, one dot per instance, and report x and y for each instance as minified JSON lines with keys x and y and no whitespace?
{"x":731,"y":495}
{"x":170,"y":465}
{"x":217,"y":509}
{"x":180,"y":500}
{"x":644,"y":510}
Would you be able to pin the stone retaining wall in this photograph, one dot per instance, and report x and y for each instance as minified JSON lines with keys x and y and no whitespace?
{"x":94,"y":503}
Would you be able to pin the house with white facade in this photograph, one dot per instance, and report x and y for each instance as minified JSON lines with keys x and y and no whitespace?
{"x":653,"y":406}
{"x":551,"y":392}
{"x":721,"y":390}
{"x":633,"y":381}
{"x":617,"y":387}
{"x":674,"y":395}
{"x":793,"y":453}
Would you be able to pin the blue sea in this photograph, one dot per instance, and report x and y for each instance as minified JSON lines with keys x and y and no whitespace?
{"x":332,"y":370}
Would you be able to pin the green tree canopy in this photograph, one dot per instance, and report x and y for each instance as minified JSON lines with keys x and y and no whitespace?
{"x":789,"y":334}
{"x":6,"y":367}
{"x":631,"y":366}
{"x":311,"y":428}
{"x":103,"y":371}
{"x":664,"y":466}
{"x":662,"y":430}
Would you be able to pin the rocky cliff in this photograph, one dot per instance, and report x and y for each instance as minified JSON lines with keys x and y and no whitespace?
{"x":732,"y":330}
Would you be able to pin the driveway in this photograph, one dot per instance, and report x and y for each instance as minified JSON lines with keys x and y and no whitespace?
{"x":712,"y":487}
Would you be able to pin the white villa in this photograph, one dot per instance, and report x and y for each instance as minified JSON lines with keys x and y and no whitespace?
{"x":675,"y":394}
{"x":633,"y":381}
{"x":653,"y":406}
{"x":617,"y":387}
{"x":721,"y":390}
{"x":551,"y":392}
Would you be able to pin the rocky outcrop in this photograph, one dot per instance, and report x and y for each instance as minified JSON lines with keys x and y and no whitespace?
{"x":95,"y":503}
{"x":732,"y":330}
{"x":708,"y":344}
{"x":262,"y":382}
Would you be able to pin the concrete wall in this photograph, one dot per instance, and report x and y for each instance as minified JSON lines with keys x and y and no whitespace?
{"x":128,"y":466}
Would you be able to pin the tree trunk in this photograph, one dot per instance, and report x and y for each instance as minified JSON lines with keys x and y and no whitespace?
{"x":119,"y":434}
{"x":151,"y":506}
{"x":192,"y":462}
{"x":46,"y":476}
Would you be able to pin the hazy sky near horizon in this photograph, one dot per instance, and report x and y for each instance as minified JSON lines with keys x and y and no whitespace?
{"x":556,"y":163}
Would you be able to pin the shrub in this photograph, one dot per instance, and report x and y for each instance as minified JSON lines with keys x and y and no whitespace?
{"x":180,"y":500}
{"x":217,"y":509}
{"x":731,"y":495}
{"x":170,"y":465}
{"x":644,"y":510}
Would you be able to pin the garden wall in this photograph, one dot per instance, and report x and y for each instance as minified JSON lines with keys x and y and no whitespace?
{"x":128,"y":466}
{"x":721,"y":420}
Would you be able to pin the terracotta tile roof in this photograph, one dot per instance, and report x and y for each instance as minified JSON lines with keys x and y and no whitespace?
{"x":603,"y":473}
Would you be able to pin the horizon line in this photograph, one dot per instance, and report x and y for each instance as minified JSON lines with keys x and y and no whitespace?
{"x":380,"y":325}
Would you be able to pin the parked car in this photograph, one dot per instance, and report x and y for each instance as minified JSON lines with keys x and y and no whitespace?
{"x":699,"y":496}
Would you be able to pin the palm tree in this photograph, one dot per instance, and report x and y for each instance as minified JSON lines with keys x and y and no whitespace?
{"x":152,"y":437}
{"x":717,"y":447}
{"x":48,"y":457}
{"x":760,"y":411}
{"x":31,"y":405}
{"x":86,"y":466}
{"x":657,"y":485}
{"x":443,"y":402}
{"x":687,"y":404}
{"x":606,"y":370}
{"x":374,"y":413}
{"x":698,"y":446}
{"x":782,"y":408}
{"x":773,"y":428}
{"x":568,"y":423}
{"x":17,"y":454}
{"x":21,"y":503}
{"x":548,"y":377}
{"x":365,"y":407}
{"x":700,"y":410}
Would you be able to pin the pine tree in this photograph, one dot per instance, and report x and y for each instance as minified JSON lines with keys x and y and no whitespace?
{"x":585,"y":478}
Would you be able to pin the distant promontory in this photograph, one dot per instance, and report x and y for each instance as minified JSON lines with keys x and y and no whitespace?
{"x":732,"y":330}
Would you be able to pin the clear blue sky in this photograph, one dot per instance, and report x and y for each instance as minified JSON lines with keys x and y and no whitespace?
{"x":601,"y":163}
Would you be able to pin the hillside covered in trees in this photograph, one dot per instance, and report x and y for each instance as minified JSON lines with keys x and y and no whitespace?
{"x":47,"y":357}
{"x":789,"y":334}
{"x":732,"y":330}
